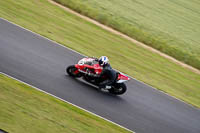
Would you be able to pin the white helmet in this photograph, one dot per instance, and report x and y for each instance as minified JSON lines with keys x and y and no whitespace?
{"x":103,"y":60}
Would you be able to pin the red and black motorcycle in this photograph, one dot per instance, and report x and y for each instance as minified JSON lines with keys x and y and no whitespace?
{"x":89,"y":69}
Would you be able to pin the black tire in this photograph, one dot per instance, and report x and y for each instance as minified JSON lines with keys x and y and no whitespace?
{"x":70,"y":71}
{"x":118,"y":89}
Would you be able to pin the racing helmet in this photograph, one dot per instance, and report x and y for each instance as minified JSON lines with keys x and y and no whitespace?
{"x":103,"y":60}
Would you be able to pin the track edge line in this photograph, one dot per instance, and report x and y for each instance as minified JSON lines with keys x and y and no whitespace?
{"x":65,"y":101}
{"x":86,"y":56}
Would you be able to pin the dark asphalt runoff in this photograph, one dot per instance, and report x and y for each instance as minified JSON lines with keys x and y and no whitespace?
{"x":41,"y":63}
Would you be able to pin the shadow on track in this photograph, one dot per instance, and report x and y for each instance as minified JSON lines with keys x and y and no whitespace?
{"x":92,"y":87}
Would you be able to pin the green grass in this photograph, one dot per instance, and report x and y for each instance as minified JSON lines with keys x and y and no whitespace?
{"x":53,"y":22}
{"x":26,"y":110}
{"x":167,"y":25}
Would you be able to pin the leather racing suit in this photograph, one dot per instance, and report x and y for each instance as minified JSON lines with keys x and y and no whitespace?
{"x":110,"y":75}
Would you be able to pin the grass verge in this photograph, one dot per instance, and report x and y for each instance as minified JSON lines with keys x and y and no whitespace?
{"x":55,"y":23}
{"x":26,"y":110}
{"x":169,"y":26}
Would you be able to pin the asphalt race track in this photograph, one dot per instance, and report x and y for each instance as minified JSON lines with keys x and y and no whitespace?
{"x":41,"y":63}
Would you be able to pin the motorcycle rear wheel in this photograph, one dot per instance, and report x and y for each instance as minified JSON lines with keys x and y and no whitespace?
{"x":70,"y":71}
{"x":118,"y":89}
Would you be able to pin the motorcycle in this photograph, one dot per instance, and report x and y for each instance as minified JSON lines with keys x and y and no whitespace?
{"x":89,"y":69}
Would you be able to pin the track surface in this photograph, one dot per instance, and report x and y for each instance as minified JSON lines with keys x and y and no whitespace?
{"x":41,"y":63}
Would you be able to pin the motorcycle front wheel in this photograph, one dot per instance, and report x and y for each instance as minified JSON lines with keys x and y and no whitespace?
{"x":71,"y":71}
{"x":118,"y":89}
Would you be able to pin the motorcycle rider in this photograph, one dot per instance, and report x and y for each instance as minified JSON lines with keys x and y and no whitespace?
{"x":108,"y":72}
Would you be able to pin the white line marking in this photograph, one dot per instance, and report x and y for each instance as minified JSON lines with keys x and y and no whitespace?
{"x":65,"y":101}
{"x":86,"y":56}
